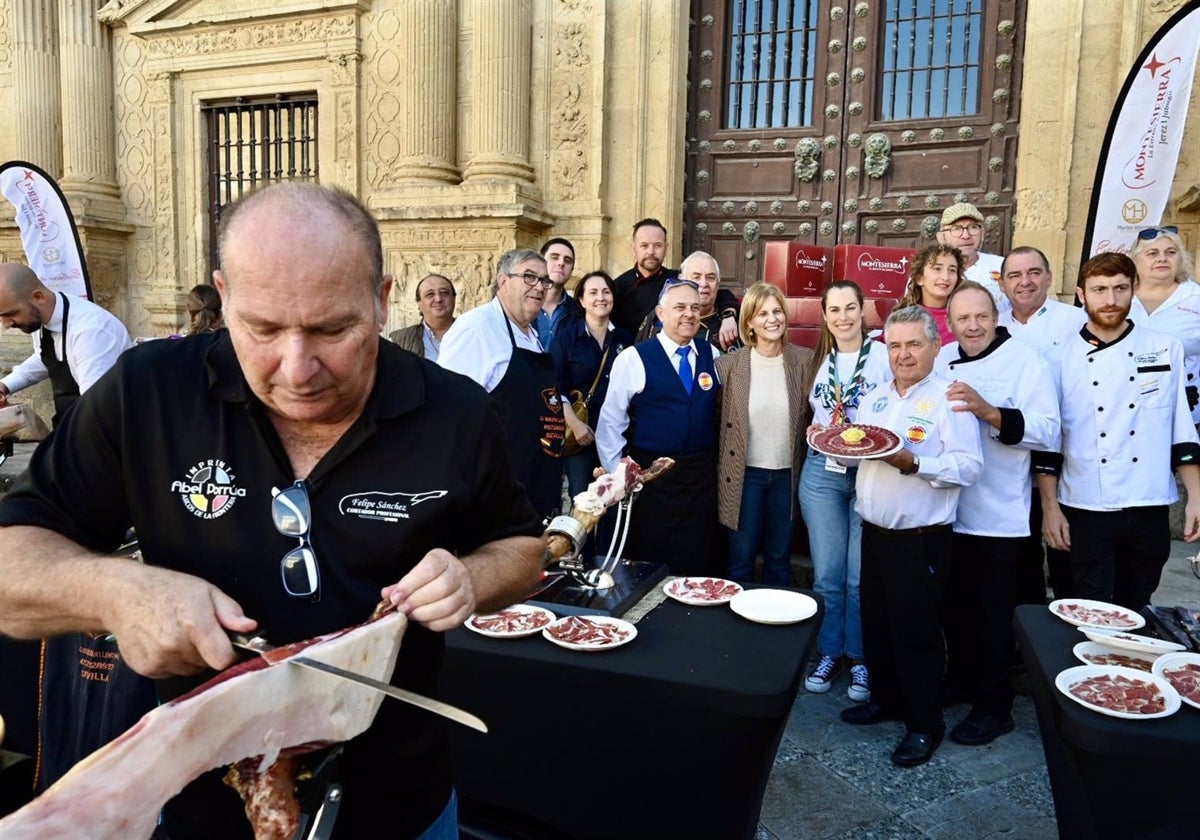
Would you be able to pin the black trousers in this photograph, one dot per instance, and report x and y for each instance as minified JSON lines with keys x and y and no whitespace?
{"x":1118,"y":555}
{"x":980,"y":599}
{"x":1038,"y":559}
{"x":901,"y":591}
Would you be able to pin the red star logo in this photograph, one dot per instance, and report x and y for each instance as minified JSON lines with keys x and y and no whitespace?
{"x":1153,"y":65}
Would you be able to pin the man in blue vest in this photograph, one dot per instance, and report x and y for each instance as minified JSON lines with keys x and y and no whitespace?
{"x":663,"y":401}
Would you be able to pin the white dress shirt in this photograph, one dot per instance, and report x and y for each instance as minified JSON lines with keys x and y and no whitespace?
{"x":628,"y":378}
{"x":1048,"y":329}
{"x":94,"y":340}
{"x":1012,"y":376}
{"x":986,"y":272}
{"x":477,"y":345}
{"x":945,"y":441}
{"x":1178,"y":315}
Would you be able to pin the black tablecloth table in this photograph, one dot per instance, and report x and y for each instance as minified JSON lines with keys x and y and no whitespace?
{"x":671,"y":735}
{"x":1111,"y":777}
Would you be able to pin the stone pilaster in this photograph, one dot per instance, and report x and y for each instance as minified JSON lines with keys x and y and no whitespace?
{"x":427,"y":131}
{"x":500,"y":84}
{"x":36,"y":97}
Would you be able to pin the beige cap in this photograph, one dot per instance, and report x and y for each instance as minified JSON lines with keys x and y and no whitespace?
{"x":962,"y":210}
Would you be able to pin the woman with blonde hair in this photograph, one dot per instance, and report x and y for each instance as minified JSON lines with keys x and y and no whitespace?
{"x":1166,"y":298}
{"x":935,"y":273}
{"x":763,"y":409}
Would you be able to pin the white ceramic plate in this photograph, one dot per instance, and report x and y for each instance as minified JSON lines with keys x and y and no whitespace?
{"x":773,"y":606}
{"x":1129,"y":641}
{"x":1083,"y":650}
{"x":513,"y":622}
{"x":837,"y":456}
{"x":1174,"y":661}
{"x":701,"y":591}
{"x":1129,"y":620}
{"x":590,"y":632}
{"x":1078,"y":673}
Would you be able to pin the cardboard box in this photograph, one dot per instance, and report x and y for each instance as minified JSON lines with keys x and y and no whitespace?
{"x":799,"y":269}
{"x":880,"y":272}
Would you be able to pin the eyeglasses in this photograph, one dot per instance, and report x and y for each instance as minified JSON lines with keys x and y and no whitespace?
{"x":963,"y":230}
{"x":1155,"y":232}
{"x":292,"y":515}
{"x":531,"y":279}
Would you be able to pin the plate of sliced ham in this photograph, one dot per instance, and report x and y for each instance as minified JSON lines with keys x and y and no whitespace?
{"x":1084,"y":613}
{"x":590,"y":632}
{"x":1119,"y":692}
{"x":701,"y":591}
{"x":513,"y":622}
{"x":1182,"y":671}
{"x":1129,"y":641}
{"x":1093,"y":653}
{"x":855,"y":441}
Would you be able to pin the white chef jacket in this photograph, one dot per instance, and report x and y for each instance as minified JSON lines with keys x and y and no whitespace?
{"x":947,"y":443}
{"x":1123,"y":413}
{"x":986,"y":272}
{"x":1178,"y":315}
{"x":477,"y":344}
{"x":627,"y":379}
{"x":1047,"y":329}
{"x":1016,"y":379}
{"x":95,"y":337}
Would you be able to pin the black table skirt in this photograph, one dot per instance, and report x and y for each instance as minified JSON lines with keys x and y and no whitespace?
{"x":1111,"y":777}
{"x":672,"y":735}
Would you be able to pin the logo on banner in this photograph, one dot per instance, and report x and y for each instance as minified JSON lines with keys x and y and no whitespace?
{"x":867,"y":262}
{"x":1134,"y":211}
{"x":208,"y":490}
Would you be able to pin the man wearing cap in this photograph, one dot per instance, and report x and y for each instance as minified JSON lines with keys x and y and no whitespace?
{"x":663,"y":400}
{"x":962,"y":228}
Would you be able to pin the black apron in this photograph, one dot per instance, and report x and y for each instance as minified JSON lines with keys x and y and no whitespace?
{"x":66,"y":389}
{"x":533,"y":424}
{"x":674,"y":520}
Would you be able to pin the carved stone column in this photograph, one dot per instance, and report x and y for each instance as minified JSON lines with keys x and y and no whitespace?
{"x":36,"y":99}
{"x":428,"y":132}
{"x":89,"y":158}
{"x":500,"y":84}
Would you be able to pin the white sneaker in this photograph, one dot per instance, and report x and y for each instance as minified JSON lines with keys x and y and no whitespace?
{"x":827,"y":670}
{"x":859,"y":690}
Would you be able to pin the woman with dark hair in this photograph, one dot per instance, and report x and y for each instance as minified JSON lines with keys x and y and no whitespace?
{"x":584,"y":350}
{"x":848,"y":368}
{"x":762,"y":410}
{"x":204,"y":310}
{"x":935,"y":273}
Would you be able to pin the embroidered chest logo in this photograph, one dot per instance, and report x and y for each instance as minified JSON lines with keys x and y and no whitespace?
{"x":209,"y":489}
{"x":385,"y":507}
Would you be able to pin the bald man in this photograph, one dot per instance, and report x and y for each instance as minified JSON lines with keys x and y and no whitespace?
{"x":74,"y":341}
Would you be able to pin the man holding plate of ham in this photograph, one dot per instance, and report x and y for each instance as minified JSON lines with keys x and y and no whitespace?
{"x":300,"y":400}
{"x":907,"y":501}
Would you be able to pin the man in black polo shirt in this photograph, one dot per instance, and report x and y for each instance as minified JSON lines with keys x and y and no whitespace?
{"x":301,"y":391}
{"x":638,"y":289}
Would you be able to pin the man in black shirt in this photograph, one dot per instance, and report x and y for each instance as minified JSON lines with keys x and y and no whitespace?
{"x":639,"y":287}
{"x":404,"y":464}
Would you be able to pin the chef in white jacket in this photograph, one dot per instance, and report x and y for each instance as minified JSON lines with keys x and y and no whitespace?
{"x":1008,"y":387}
{"x":1126,"y":425}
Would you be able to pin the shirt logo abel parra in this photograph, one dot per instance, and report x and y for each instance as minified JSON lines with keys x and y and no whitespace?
{"x":208,"y":490}
{"x":385,"y":507}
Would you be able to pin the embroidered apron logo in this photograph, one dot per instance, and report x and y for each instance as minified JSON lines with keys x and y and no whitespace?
{"x":209,"y":490}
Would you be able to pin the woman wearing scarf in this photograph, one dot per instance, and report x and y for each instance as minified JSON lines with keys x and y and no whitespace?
{"x":848,"y":368}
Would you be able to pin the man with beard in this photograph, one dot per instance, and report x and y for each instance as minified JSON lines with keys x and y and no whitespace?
{"x":1126,"y":425}
{"x":962,"y":228}
{"x":74,"y":341}
{"x":701,"y":269}
{"x":638,"y":288}
{"x":497,"y":346}
{"x":435,"y":299}
{"x":663,"y":401}
{"x":1008,"y":386}
{"x":558,"y":306}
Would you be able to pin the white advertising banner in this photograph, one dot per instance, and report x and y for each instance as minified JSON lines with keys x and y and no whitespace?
{"x":1141,"y":148}
{"x":48,"y":234}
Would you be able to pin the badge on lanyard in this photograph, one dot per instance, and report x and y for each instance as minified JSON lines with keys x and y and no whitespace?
{"x":834,"y":467}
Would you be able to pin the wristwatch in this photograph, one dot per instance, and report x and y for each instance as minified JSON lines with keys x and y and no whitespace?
{"x":913,"y":468}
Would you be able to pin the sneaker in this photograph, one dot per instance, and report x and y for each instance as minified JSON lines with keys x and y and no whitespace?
{"x":859,"y":690}
{"x":827,"y":670}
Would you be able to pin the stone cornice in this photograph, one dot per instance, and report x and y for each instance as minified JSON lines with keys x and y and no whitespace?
{"x":152,"y":17}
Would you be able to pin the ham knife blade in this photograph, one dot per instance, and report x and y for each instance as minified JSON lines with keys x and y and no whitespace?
{"x":259,"y":645}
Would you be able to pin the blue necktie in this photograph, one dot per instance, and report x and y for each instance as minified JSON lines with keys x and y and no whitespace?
{"x":685,"y":369}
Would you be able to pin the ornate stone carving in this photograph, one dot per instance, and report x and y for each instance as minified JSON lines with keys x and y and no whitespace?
{"x":751,"y":231}
{"x":306,"y":31}
{"x":808,"y":159}
{"x":877,"y":156}
{"x":750,"y":208}
{"x":929,"y":227}
{"x":778,"y":228}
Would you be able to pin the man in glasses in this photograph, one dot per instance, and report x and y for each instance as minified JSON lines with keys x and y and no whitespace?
{"x":663,"y":400}
{"x":497,"y":346}
{"x":962,"y":228}
{"x":309,"y":468}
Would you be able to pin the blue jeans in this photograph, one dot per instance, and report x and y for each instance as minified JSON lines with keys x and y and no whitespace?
{"x":764,"y":524}
{"x":835,"y":543}
{"x":445,"y":827}
{"x":579,"y":469}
